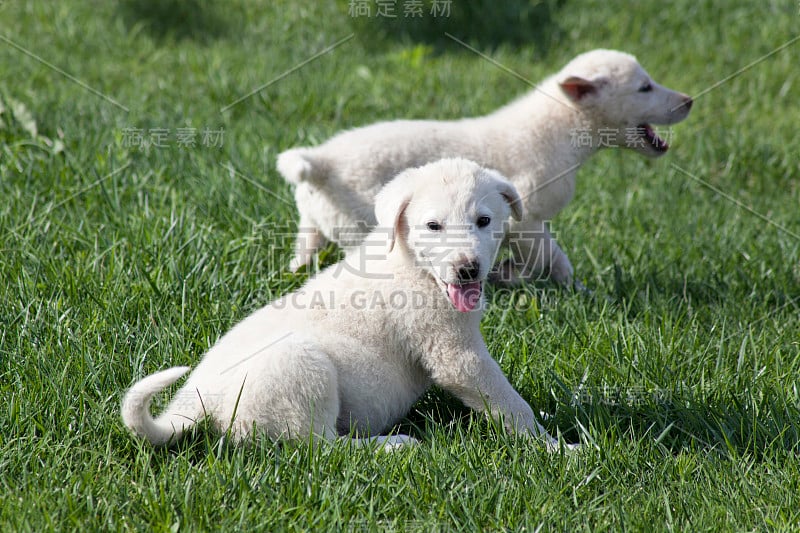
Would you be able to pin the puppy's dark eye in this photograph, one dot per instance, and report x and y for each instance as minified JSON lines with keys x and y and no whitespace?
{"x":646,"y":88}
{"x":434,"y":226}
{"x":483,"y":221}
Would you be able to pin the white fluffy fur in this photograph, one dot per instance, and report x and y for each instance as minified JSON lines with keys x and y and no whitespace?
{"x":532,"y":141}
{"x":360,"y":342}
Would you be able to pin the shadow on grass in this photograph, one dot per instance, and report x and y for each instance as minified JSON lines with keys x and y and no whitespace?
{"x":629,"y":290}
{"x":723,"y":424}
{"x":176,"y":19}
{"x":483,"y":23}
{"x":435,"y":407}
{"x":635,"y":295}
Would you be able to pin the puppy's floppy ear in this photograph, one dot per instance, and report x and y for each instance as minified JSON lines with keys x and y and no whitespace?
{"x":390,"y":203}
{"x":509,"y":194}
{"x":577,"y":87}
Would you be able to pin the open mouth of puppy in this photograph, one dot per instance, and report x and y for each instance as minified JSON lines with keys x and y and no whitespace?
{"x":651,"y":138}
{"x":465,"y":297}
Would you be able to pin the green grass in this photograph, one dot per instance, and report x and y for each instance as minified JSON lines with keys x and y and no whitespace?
{"x":116,"y":260}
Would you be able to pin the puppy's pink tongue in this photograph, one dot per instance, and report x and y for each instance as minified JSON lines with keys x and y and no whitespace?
{"x":464,"y":297}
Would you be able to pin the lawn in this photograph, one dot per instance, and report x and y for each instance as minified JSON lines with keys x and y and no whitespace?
{"x":142,"y":216}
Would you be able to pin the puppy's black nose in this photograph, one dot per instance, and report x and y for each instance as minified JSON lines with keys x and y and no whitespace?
{"x":469,"y":272}
{"x":687,"y":103}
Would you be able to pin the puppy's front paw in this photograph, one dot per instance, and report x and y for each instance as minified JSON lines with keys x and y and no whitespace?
{"x":392,"y":443}
{"x":553,"y":447}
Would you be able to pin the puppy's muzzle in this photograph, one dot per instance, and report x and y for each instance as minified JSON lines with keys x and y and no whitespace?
{"x":468,"y":272}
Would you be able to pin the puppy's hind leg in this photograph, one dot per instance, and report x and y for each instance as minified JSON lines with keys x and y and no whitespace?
{"x":294,"y":396}
{"x":534,"y":253}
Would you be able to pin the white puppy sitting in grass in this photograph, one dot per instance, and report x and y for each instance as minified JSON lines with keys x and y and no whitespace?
{"x":602,"y":98}
{"x":360,"y":342}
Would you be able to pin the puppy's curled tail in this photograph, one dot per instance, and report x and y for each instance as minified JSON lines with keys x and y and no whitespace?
{"x":298,"y":165}
{"x":170,"y":425}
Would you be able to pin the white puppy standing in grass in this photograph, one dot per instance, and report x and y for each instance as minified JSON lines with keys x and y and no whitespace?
{"x":538,"y":141}
{"x":365,"y":338}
